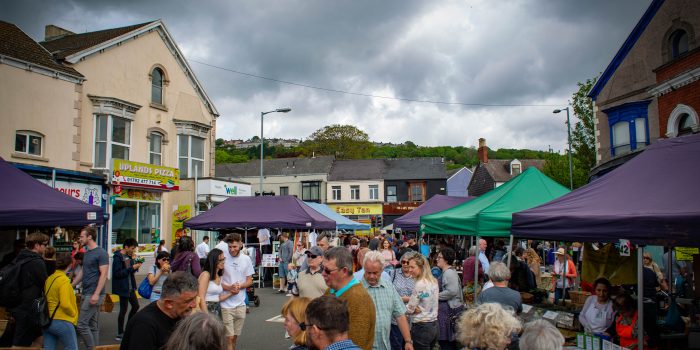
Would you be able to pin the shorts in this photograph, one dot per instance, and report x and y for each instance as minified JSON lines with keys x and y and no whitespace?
{"x":233,"y":320}
{"x":283,"y":270}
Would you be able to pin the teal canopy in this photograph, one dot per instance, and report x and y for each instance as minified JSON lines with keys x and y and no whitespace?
{"x":491,"y":215}
{"x":341,"y":222}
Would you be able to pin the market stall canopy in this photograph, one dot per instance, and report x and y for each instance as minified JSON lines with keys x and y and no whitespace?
{"x":284,"y":212}
{"x":28,"y":202}
{"x":491,"y":214}
{"x":411,"y":220}
{"x":341,"y":222}
{"x":654,"y":199}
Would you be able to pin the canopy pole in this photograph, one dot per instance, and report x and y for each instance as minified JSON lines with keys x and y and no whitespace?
{"x":640,"y":298}
{"x":669,"y":270}
{"x":246,"y":236}
{"x":476,"y":270}
{"x":510,"y":249}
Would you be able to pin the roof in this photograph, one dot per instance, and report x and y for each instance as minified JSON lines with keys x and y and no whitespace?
{"x":415,"y":168}
{"x":277,"y":167}
{"x":499,"y":169}
{"x":626,"y":48}
{"x":453,"y":172}
{"x":17,"y":44}
{"x":72,"y":48}
{"x":357,"y":169}
{"x":67,"y":45}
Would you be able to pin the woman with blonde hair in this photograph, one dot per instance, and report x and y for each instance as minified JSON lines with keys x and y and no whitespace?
{"x":533,"y":261}
{"x":294,"y":312}
{"x":487,"y":326}
{"x":423,"y":304}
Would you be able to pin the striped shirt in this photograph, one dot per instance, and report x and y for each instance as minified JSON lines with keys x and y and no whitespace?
{"x":388,"y":306}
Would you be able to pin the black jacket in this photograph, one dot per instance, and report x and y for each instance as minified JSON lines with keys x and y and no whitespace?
{"x":122,"y":272}
{"x":32,"y":277}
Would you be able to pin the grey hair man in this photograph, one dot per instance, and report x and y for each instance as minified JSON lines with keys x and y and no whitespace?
{"x":499,"y":274}
{"x":327,"y":324}
{"x":151,"y":327}
{"x":387,"y":303}
{"x":541,"y":335}
{"x":337,"y":273}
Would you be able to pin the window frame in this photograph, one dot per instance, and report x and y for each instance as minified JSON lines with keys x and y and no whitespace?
{"x":337,"y":193}
{"x":109,"y":142}
{"x":284,"y":190}
{"x":675,"y":42}
{"x":311,"y":185}
{"x":28,"y":135}
{"x":416,"y":184}
{"x":373,"y":192}
{"x":161,"y":87}
{"x":355,"y":192}
{"x":190,"y":158}
{"x":152,"y":135}
{"x":629,"y":113}
{"x":394,"y":195}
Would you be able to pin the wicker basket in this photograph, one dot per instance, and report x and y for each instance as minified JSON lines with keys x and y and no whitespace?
{"x":579,"y":297}
{"x":527,"y":298}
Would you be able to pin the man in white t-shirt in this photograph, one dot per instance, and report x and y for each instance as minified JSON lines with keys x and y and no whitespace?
{"x":264,"y":240}
{"x":238,"y":275}
{"x":203,"y":250}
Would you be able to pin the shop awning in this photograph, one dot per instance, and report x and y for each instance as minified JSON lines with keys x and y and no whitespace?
{"x":491,"y":214}
{"x":653,"y":199}
{"x":284,"y":212}
{"x":411,"y":221}
{"x":341,"y":222}
{"x":28,"y":202}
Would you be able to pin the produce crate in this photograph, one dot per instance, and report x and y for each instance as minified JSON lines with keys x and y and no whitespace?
{"x":579,"y":297}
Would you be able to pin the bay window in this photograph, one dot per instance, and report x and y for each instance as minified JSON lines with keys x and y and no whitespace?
{"x":629,"y":127}
{"x":112,"y":139}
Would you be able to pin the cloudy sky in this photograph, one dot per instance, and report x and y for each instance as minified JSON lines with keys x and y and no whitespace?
{"x":471,"y":56}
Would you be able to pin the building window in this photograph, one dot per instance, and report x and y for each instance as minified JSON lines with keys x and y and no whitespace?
{"x":355,"y":192}
{"x":284,"y":191}
{"x":311,"y":191}
{"x":678,"y":43}
{"x":112,"y":139}
{"x":136,"y":219}
{"x":515,"y":168}
{"x":191,"y":155}
{"x":337,"y":193}
{"x":28,"y":142}
{"x":391,"y":194}
{"x":156,"y":151}
{"x":416,"y":192}
{"x":374,"y":192}
{"x":157,"y":86}
{"x":685,"y":124}
{"x":629,"y":130}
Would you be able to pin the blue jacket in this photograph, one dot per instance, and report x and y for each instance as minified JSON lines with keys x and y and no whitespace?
{"x":121,"y":274}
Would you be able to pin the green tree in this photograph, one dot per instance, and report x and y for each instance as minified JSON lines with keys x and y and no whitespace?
{"x":342,"y":141}
{"x":219,"y":143}
{"x":583,"y":135}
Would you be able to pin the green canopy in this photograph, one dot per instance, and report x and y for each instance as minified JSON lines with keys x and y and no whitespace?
{"x":492,"y":214}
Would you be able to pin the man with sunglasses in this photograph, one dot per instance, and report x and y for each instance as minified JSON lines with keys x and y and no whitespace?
{"x":327,"y":324}
{"x":337,"y":272}
{"x":310,"y":281}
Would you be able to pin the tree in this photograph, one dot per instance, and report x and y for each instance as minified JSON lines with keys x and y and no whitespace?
{"x":219,"y":143}
{"x":583,"y":135}
{"x":342,"y":141}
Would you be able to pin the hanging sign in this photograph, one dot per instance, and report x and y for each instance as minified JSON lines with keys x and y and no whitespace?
{"x":625,"y":247}
{"x":135,"y":174}
{"x":686,"y":253}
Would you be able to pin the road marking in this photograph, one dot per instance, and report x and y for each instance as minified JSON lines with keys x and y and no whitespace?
{"x":278,"y":318}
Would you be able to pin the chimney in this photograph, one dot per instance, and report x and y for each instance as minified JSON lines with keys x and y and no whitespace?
{"x":483,"y":152}
{"x":53,"y":32}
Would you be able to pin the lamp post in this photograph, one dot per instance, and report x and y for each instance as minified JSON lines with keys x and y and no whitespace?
{"x":568,"y":128}
{"x":262,"y":141}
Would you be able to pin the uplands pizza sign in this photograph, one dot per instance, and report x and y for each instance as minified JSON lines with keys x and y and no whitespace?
{"x":134,"y":174}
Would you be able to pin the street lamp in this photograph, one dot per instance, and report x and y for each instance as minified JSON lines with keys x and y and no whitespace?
{"x":568,"y":127}
{"x":262,"y":140}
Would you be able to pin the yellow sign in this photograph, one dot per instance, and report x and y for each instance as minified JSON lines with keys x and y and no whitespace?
{"x":360,"y":209}
{"x":182,"y":213}
{"x":135,"y":174}
{"x":135,"y":193}
{"x":686,"y":253}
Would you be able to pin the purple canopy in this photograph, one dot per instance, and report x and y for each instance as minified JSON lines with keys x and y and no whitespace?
{"x":439,"y":202}
{"x":28,"y":202}
{"x":286,"y":212}
{"x":654,"y":198}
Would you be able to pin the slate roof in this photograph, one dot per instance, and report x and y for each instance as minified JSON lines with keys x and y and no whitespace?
{"x":499,"y":169}
{"x":67,"y":45}
{"x":415,"y":168}
{"x":279,"y":167}
{"x":17,"y":44}
{"x":357,"y":169}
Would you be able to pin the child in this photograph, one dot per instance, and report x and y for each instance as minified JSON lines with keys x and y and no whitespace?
{"x":292,"y":280}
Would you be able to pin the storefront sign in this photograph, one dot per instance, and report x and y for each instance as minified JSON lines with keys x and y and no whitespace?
{"x":136,"y":194}
{"x":134,"y":174}
{"x":182,"y":213}
{"x":88,"y":193}
{"x":362,"y":209}
{"x":686,"y":253}
{"x":223,"y":188}
{"x":400,"y":208}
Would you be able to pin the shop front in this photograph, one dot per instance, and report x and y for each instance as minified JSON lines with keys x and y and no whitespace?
{"x":396,"y":210}
{"x":370,"y":214}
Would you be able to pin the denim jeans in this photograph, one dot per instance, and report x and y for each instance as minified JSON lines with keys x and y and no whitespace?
{"x":396,"y":338}
{"x":424,"y":335}
{"x":89,"y":322}
{"x":62,"y":331}
{"x":560,"y":293}
{"x":123,"y":305}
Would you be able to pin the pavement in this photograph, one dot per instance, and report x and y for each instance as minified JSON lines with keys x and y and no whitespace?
{"x":258,"y":332}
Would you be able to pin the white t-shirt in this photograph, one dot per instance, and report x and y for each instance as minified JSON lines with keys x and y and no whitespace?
{"x":237,"y":269}
{"x":222,"y":246}
{"x":202,"y":250}
{"x":264,"y":236}
{"x":312,"y":239}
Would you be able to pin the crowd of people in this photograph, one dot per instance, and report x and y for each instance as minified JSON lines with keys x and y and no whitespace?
{"x":382,"y":293}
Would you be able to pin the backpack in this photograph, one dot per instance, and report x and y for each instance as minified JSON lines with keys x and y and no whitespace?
{"x":40,"y":307}
{"x":10,"y":292}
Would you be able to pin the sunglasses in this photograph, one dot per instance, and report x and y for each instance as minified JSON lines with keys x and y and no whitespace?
{"x":312,"y":256}
{"x":305,"y":326}
{"x":405,"y":262}
{"x":328,"y":271}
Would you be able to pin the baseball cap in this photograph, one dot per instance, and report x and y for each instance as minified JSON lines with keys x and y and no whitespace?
{"x":314,"y":251}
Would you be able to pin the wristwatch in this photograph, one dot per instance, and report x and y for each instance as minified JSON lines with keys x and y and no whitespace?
{"x":408,"y":341}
